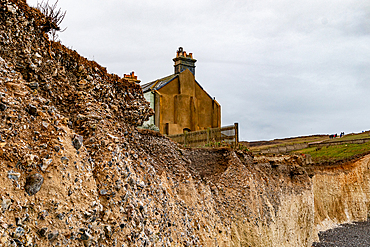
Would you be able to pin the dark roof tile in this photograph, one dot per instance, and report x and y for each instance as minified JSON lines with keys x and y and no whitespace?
{"x":157,"y":84}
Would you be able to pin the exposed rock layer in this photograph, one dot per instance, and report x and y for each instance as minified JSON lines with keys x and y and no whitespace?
{"x":342,"y":193}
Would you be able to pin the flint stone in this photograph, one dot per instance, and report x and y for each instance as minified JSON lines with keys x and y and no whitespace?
{"x":5,"y":204}
{"x":13,"y":175}
{"x":60,"y":216}
{"x":43,"y":214}
{"x":84,"y":235}
{"x":33,"y":183}
{"x":17,"y":241}
{"x":33,"y":85}
{"x":3,"y":107}
{"x":103,"y":192}
{"x":12,"y":9}
{"x":45,"y":125}
{"x":32,"y":110}
{"x":19,"y":231}
{"x":47,"y":86}
{"x":53,"y":235}
{"x":77,"y":142}
{"x":64,"y":160}
{"x":33,"y":66}
{"x":45,"y":164}
{"x":42,"y":232}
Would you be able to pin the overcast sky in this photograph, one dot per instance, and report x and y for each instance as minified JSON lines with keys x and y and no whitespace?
{"x":279,"y":68}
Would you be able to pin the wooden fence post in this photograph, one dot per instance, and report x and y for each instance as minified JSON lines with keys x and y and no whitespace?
{"x":185,"y":137}
{"x":236,"y":126}
{"x":208,"y":135}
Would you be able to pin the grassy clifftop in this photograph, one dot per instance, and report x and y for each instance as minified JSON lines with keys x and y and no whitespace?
{"x":322,"y":148}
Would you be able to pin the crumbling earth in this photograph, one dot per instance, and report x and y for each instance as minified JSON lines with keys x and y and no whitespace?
{"x":75,"y":170}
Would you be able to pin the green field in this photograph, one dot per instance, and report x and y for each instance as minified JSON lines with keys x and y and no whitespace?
{"x":322,"y":154}
{"x":335,"y":153}
{"x":352,"y":136}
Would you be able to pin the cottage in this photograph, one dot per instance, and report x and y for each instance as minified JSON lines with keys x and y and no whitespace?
{"x":179,"y":101}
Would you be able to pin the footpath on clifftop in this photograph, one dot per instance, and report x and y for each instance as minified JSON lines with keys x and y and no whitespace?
{"x":75,"y":170}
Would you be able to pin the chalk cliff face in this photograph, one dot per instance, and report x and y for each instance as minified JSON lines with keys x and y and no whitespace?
{"x":342,"y":193}
{"x":75,"y":171}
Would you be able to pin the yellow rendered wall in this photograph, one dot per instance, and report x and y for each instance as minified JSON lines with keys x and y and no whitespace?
{"x":184,"y":104}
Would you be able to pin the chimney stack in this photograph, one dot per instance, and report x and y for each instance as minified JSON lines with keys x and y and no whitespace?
{"x":184,"y":61}
{"x":131,"y":77}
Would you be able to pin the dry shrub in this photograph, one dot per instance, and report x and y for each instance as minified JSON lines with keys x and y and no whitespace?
{"x":53,"y":18}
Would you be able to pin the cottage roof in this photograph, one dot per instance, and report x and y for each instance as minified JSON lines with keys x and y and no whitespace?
{"x":157,"y":84}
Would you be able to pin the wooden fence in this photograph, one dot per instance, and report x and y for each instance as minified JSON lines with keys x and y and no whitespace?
{"x":212,"y":136}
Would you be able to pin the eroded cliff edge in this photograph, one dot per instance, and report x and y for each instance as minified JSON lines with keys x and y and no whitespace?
{"x":341,"y":193}
{"x":102,"y":182}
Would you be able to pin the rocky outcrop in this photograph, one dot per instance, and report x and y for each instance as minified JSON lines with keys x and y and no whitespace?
{"x":75,"y":171}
